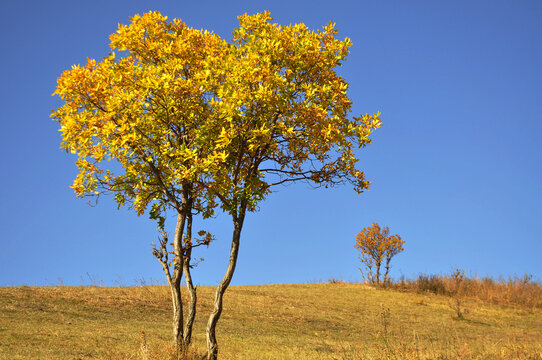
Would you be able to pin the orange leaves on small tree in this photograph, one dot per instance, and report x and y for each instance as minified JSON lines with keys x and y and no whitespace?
{"x":377,"y":247}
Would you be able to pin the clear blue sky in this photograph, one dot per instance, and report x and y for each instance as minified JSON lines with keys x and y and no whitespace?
{"x":456,"y":168}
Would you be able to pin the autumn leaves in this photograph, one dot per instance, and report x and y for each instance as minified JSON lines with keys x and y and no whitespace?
{"x":377,"y":247}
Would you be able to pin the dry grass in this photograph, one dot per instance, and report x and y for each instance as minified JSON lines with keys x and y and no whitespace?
{"x":514,"y":291}
{"x":311,"y":321}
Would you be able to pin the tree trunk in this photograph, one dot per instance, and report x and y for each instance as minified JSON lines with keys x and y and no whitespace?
{"x":212,"y":345}
{"x":190,"y":286}
{"x":191,"y":309}
{"x":378,"y":272}
{"x":175,"y":283}
{"x":177,"y":315}
{"x":182,"y":252}
{"x":386,"y":279}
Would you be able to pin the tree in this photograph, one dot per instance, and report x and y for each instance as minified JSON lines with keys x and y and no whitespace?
{"x":287,"y":121}
{"x":193,"y":122}
{"x":147,"y":114}
{"x":377,"y":246}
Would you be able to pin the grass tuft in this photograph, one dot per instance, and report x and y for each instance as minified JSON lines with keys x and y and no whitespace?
{"x":514,"y":291}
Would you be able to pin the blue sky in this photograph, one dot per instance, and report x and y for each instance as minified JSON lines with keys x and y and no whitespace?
{"x":456,"y":168}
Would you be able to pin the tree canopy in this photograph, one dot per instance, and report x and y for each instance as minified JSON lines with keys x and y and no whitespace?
{"x":179,"y":105}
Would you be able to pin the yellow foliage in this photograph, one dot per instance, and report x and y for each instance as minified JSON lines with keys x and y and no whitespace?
{"x":179,"y":108}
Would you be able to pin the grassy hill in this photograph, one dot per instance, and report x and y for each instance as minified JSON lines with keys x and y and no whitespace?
{"x":311,"y":321}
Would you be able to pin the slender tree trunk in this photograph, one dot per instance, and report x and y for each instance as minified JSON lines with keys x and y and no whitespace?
{"x":190,"y":286}
{"x":175,"y":283}
{"x":386,"y":279}
{"x":191,"y":309}
{"x":378,"y":273}
{"x":177,"y":315}
{"x":212,"y":345}
{"x":162,"y":254}
{"x":174,"y":274}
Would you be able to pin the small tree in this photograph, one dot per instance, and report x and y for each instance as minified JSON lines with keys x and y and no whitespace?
{"x":377,"y":246}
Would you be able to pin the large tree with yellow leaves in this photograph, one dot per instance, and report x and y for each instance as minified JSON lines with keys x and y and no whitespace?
{"x":179,"y":119}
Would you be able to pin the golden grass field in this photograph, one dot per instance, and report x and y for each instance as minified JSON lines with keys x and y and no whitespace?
{"x":309,"y":321}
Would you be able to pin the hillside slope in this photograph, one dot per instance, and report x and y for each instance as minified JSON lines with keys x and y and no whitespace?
{"x":311,"y":321}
